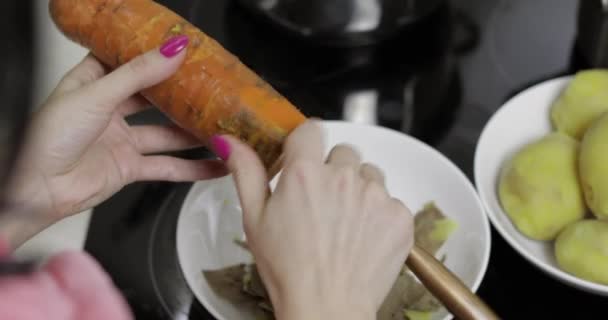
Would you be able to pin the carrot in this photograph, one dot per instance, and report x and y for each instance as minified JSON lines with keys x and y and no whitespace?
{"x":211,"y":93}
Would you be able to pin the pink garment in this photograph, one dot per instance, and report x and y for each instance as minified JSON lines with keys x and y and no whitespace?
{"x":4,"y":248}
{"x":71,"y":286}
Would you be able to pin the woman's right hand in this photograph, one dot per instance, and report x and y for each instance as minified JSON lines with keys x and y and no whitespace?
{"x":329,"y":242}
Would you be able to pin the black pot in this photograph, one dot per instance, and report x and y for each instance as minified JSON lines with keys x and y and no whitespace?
{"x":342,"y":22}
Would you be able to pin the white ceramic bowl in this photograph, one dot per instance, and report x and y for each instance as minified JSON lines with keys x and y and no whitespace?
{"x":211,"y":218}
{"x":521,"y":120}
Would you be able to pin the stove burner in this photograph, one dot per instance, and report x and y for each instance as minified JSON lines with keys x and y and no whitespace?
{"x":345,"y":23}
{"x":411,"y":88}
{"x":296,"y":62}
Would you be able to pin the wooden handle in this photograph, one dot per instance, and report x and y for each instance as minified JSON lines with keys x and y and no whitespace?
{"x":447,"y":288}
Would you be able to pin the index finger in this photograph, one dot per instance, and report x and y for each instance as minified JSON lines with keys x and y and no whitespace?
{"x":138,"y":74}
{"x":305,"y":142}
{"x":87,"y":71}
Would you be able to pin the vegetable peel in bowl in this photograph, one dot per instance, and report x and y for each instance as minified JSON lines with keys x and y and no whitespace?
{"x":408,"y":299}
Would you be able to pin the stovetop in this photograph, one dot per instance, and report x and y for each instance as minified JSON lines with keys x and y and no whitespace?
{"x":439,"y":81}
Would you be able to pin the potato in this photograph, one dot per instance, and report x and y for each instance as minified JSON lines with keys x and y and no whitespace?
{"x":539,"y":187}
{"x":582,"y":250}
{"x":583,"y":101}
{"x":593,"y":167}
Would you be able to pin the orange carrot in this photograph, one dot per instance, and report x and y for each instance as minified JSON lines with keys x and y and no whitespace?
{"x":211,"y":93}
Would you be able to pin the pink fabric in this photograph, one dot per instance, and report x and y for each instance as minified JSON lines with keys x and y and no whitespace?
{"x":4,"y":247}
{"x":71,"y":286}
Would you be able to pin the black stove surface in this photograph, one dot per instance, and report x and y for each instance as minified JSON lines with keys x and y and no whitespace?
{"x":439,"y":81}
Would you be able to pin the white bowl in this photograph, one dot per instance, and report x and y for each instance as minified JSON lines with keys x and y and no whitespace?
{"x":211,"y":218}
{"x":521,"y":120}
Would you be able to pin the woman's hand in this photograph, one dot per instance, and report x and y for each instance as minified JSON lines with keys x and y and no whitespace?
{"x":330,"y":241}
{"x":80,"y":149}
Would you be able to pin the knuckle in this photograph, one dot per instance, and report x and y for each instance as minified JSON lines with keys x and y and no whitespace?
{"x":128,"y":174}
{"x":86,"y":72}
{"x":399,"y":208}
{"x":298,"y":171}
{"x":137,"y":141}
{"x":139,"y":65}
{"x":293,"y":140}
{"x":372,"y":170}
{"x":367,"y":167}
{"x":408,"y":221}
{"x":402,"y":213}
{"x":374,"y":192}
{"x":69,"y":82}
{"x":68,"y":79}
{"x":166,"y":172}
{"x":345,"y":177}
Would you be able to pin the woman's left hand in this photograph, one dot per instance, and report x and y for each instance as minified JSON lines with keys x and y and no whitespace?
{"x":81,"y":151}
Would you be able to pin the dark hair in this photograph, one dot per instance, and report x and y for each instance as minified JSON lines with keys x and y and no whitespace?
{"x":16,"y":71}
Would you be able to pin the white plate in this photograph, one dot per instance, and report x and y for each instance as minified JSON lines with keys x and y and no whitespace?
{"x":521,"y":120}
{"x":210,"y":218}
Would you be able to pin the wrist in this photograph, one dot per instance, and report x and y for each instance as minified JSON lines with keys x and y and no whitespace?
{"x":308,"y":310}
{"x":27,"y":191}
{"x":345,"y":313}
{"x":19,"y":225}
{"x":25,"y":209}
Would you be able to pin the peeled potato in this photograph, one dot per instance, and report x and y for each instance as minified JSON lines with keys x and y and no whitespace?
{"x":582,"y":250}
{"x":539,"y":188}
{"x":593,"y":167}
{"x":583,"y":101}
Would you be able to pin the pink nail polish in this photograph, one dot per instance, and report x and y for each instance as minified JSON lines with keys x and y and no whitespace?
{"x":221,"y":147}
{"x":174,"y":46}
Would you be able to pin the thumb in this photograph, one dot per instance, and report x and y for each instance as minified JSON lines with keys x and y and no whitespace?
{"x":249,"y":175}
{"x":138,"y":74}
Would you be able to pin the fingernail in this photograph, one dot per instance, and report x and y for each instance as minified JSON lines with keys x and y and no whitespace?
{"x":174,"y":46}
{"x":221,"y":147}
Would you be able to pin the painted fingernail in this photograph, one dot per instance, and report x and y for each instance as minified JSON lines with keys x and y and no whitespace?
{"x":174,"y":46}
{"x":221,"y":147}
